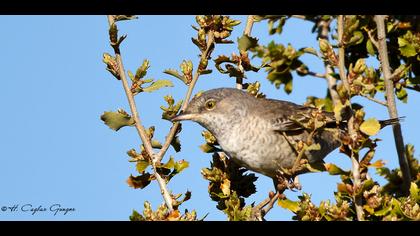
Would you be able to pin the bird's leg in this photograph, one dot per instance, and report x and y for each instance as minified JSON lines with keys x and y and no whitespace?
{"x":301,"y":151}
{"x":296,"y":183}
{"x":301,"y":148}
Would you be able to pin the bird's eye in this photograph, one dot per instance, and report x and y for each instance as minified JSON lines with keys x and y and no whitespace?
{"x":210,"y":104}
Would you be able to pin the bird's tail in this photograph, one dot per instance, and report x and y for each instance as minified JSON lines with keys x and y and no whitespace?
{"x":392,"y":121}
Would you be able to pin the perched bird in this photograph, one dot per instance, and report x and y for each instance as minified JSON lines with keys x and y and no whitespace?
{"x":261,"y":134}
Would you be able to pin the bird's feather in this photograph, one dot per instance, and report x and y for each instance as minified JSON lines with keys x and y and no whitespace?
{"x":287,"y":116}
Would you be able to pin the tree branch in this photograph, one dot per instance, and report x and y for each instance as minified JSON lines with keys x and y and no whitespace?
{"x":204,"y":56}
{"x":372,"y":39}
{"x":302,"y":17}
{"x":392,"y":108}
{"x":139,"y":127}
{"x":314,"y":74}
{"x":415,"y":88}
{"x":247,"y":31}
{"x":341,"y":55}
{"x":354,"y":160}
{"x":331,"y":81}
{"x":374,"y":99}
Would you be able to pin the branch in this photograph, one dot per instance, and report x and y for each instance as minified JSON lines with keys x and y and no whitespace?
{"x":374,"y":99}
{"x":258,"y":212}
{"x":341,"y":55}
{"x":392,"y":108}
{"x":249,"y":24}
{"x":270,"y":204}
{"x":247,"y":31}
{"x":352,"y":132}
{"x":415,"y":88}
{"x":302,"y":17}
{"x":314,"y":74}
{"x":204,"y":56}
{"x":372,"y":39}
{"x":139,"y":127}
{"x":331,"y":81}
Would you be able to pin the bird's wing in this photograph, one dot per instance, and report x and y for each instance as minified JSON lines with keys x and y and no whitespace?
{"x":286,"y":116}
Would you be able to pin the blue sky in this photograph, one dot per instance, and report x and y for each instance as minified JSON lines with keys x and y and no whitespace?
{"x":54,"y":149}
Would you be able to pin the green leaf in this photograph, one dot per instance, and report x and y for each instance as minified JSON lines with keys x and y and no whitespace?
{"x":111,"y":64}
{"x":335,"y":170}
{"x":309,"y":50}
{"x":317,"y":166}
{"x":339,"y":109}
{"x":234,"y":71}
{"x":135,"y":216}
{"x":289,"y":204}
{"x":131,"y":76}
{"x":402,"y":95}
{"x":205,"y":72}
{"x":157,"y":85}
{"x":125,"y":17}
{"x":206,"y":148}
{"x":176,"y":74}
{"x":142,"y":70}
{"x":219,"y":60}
{"x":414,"y":80}
{"x":156,"y":144}
{"x":225,"y":187}
{"x":181,"y":165}
{"x":245,"y":42}
{"x":383,"y":211}
{"x":117,"y":120}
{"x":288,"y":87}
{"x":414,"y":192}
{"x":357,"y":38}
{"x":313,"y":147}
{"x":370,"y":126}
{"x":113,"y":33}
{"x":170,"y":164}
{"x":370,"y":48}
{"x":176,"y":144}
{"x":278,"y":78}
{"x":142,"y":165}
{"x":140,"y":181}
{"x":366,"y":185}
{"x":406,"y":48}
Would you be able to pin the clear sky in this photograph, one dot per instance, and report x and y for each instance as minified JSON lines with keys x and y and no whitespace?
{"x":54,"y":149}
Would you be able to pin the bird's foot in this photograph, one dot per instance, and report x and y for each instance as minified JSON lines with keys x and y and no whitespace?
{"x":286,"y":180}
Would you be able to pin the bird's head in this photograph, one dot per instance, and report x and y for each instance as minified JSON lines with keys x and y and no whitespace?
{"x":216,"y":109}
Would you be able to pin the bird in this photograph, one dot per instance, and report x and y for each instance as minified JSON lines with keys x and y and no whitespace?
{"x":262,"y":134}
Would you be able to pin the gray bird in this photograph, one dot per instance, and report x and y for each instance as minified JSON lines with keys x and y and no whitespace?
{"x":260,"y":134}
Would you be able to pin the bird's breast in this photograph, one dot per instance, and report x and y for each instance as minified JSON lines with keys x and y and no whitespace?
{"x":254,"y":145}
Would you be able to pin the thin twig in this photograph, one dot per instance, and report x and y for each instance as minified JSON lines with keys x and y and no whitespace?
{"x":374,"y":99}
{"x":139,"y":127}
{"x":392,"y":107}
{"x":247,"y":31}
{"x":331,"y":81}
{"x":270,"y":204}
{"x":302,"y":17}
{"x":354,"y":160}
{"x":258,"y":212}
{"x":204,"y":56}
{"x":341,"y":55}
{"x":415,"y":88}
{"x":314,"y":74}
{"x":249,"y":24}
{"x":396,"y":75}
{"x":372,"y":39}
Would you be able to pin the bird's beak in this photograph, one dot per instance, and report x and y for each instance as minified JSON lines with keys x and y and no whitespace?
{"x":183,"y":116}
